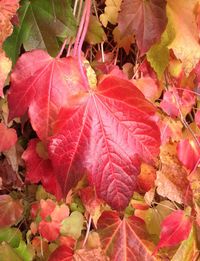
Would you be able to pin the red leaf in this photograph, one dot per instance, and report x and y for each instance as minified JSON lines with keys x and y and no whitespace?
{"x":122,"y":239}
{"x":174,"y":229}
{"x":146,"y":19}
{"x":40,"y":169}
{"x":62,"y":253}
{"x":42,"y":85}
{"x":188,"y":153}
{"x":8,"y":137}
{"x":105,"y":133}
{"x":49,"y":230}
{"x":10,"y":211}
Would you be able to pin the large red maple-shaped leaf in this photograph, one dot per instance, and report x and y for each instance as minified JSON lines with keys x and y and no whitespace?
{"x":146,"y":19}
{"x":122,"y":239}
{"x":42,"y":84}
{"x":105,"y":133}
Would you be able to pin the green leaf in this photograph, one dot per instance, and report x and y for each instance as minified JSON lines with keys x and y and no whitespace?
{"x":8,"y":254}
{"x":158,"y":55}
{"x":14,"y":243}
{"x":12,"y":236}
{"x":24,"y":252}
{"x":188,"y":249}
{"x":95,"y":33}
{"x":42,"y":25}
{"x":73,"y":225}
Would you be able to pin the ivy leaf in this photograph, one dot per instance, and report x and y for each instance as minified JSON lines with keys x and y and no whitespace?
{"x":5,"y":67}
{"x":8,"y":137}
{"x":105,"y":134}
{"x":10,"y":210}
{"x":8,"y":9}
{"x":110,"y":12}
{"x":146,"y":19}
{"x":188,"y":248}
{"x":72,"y":225}
{"x":62,"y":253}
{"x":158,"y":54}
{"x":186,"y":43}
{"x":171,"y":179}
{"x":123,"y":239}
{"x":188,"y":153}
{"x":95,"y":33}
{"x":41,"y":85}
{"x":39,"y":168}
{"x":7,"y":253}
{"x":175,"y":228}
{"x":41,"y":24}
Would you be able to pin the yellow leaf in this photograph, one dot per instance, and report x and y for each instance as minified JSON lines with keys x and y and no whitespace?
{"x":110,"y":12}
{"x":185,"y":45}
{"x":95,"y":32}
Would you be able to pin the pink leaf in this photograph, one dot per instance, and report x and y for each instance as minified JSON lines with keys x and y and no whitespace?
{"x":8,"y":137}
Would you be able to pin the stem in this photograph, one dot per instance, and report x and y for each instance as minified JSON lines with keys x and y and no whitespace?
{"x":62,"y":48}
{"x":88,"y":230}
{"x":80,"y":30}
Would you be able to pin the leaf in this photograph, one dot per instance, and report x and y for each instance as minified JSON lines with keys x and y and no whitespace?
{"x":175,"y":228}
{"x":158,"y":54}
{"x":90,"y":255}
{"x":49,"y":230}
{"x":110,"y":12}
{"x":12,"y":236}
{"x":124,"y":41}
{"x":10,"y":211}
{"x":146,"y":19}
{"x":146,"y":178}
{"x":9,"y":178}
{"x":8,"y":137}
{"x":5,"y":67}
{"x":7,"y":253}
{"x":171,"y":179}
{"x":189,"y":153}
{"x":186,"y":43}
{"x":175,"y":101}
{"x":91,"y":203}
{"x":34,"y":86}
{"x":8,"y":8}
{"x":40,"y":169}
{"x":105,"y":133}
{"x":62,"y":253}
{"x":72,"y":225}
{"x":188,"y":249}
{"x":123,"y":239}
{"x":95,"y":33}
{"x":41,"y":24}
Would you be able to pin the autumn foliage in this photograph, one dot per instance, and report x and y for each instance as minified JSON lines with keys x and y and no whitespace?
{"x":99,"y":130}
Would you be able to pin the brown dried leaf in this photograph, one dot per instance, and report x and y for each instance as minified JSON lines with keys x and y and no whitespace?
{"x":171,"y":179}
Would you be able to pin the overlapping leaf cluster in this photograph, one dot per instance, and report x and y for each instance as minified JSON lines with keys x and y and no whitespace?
{"x":100,"y":142}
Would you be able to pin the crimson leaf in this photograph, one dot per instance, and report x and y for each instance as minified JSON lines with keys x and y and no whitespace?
{"x":105,"y":133}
